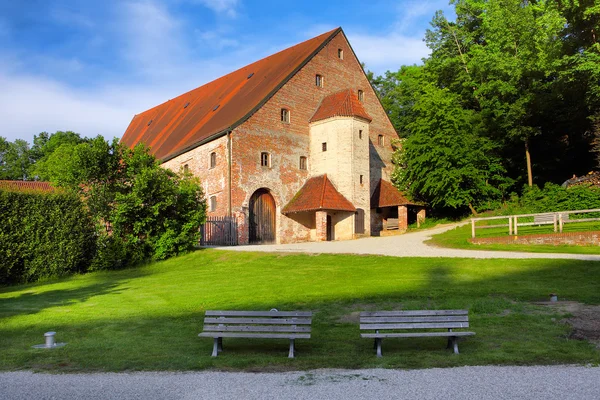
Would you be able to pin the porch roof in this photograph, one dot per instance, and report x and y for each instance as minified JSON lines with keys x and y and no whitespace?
{"x":318,"y":193}
{"x":386,"y":195}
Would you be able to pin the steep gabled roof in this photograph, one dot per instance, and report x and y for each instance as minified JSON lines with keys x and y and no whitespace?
{"x":26,"y":186}
{"x":318,"y":193}
{"x":341,"y":104}
{"x":211,"y":110}
{"x":386,"y":195}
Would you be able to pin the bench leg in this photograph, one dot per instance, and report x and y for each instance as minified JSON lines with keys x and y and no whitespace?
{"x":455,"y":344}
{"x":215,"y":347}
{"x":220,"y":346}
{"x":292,"y":349}
{"x":378,"y":344}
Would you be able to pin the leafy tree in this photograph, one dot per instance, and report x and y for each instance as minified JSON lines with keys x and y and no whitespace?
{"x":445,"y":162}
{"x":142,"y":210}
{"x":45,"y":144}
{"x":15,"y":160}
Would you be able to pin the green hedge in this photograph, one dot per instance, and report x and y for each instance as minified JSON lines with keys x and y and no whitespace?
{"x":43,"y":235}
{"x":554,"y":198}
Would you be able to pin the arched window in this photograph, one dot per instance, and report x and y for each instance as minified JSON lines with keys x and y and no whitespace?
{"x":340,"y":54}
{"x":212,"y":206}
{"x":285,"y":115}
{"x":213,"y":159}
{"x":361,"y":95}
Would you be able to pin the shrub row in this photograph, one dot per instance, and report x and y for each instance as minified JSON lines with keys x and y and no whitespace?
{"x":43,"y":235}
{"x":554,"y":197}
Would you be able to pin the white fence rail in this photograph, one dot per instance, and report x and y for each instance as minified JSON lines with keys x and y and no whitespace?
{"x":557,"y":219}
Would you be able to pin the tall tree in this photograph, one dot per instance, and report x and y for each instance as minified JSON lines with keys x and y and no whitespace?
{"x":445,"y":162}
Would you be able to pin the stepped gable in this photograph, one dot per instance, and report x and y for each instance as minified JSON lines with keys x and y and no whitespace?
{"x":341,"y":104}
{"x":217,"y":107}
{"x":318,"y":193}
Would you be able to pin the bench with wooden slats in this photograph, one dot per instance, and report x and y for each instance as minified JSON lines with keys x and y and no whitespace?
{"x":386,"y":324}
{"x":274,"y":324}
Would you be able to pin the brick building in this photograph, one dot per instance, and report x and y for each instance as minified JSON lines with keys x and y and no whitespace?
{"x":296,"y":146}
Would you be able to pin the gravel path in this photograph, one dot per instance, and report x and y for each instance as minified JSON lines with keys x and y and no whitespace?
{"x":406,"y":245}
{"x":480,"y":383}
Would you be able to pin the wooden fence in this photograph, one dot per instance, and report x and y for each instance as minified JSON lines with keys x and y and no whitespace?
{"x":558,"y":219}
{"x":219,"y":231}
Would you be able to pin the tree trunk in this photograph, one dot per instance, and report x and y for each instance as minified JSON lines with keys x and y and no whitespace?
{"x":528,"y":157}
{"x":472,"y":209}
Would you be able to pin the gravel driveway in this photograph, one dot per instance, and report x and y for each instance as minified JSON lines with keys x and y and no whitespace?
{"x":406,"y":245}
{"x":478,"y":383}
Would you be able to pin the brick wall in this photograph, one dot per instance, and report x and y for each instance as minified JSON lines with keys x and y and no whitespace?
{"x":213,"y":180}
{"x":286,"y":142}
{"x":555,"y":239}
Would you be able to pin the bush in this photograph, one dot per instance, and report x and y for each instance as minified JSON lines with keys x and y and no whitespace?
{"x":553,"y":198}
{"x":43,"y":235}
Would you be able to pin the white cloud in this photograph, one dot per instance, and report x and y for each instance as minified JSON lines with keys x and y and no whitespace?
{"x":224,"y":7}
{"x":387,"y":52}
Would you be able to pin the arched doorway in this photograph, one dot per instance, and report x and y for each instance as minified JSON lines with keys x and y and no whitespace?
{"x":262,"y":217}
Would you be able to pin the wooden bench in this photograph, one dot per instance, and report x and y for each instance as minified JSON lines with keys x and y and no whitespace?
{"x":392,"y":223}
{"x":273,"y":324}
{"x":387,"y":323}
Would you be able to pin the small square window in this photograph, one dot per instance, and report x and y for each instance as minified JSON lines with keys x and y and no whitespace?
{"x":324,"y":146}
{"x":285,"y":115}
{"x":360,"y":134}
{"x":265,"y":159}
{"x":381,"y":140}
{"x":319,"y":81}
{"x":212,"y":206}
{"x":361,"y":95}
{"x":303,"y":163}
{"x":213,"y":159}
{"x":340,"y":54}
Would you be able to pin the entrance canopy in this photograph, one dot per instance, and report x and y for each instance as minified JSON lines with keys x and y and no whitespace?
{"x":317,"y":194}
{"x":386,"y":195}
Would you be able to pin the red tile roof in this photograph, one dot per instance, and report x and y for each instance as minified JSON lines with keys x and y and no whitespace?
{"x":209,"y":111}
{"x":386,"y":195}
{"x":341,"y":104}
{"x":318,"y":193}
{"x":26,"y":186}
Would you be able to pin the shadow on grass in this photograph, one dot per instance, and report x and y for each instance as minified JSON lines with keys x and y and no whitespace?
{"x":509,"y":330}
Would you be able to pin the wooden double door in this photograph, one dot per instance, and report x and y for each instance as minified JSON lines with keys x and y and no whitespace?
{"x":262,"y":218}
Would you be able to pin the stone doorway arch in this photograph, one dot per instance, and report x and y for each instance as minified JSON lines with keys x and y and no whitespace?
{"x":262,"y":210}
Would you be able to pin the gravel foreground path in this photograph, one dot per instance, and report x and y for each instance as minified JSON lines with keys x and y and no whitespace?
{"x":480,"y":383}
{"x":407,"y":245}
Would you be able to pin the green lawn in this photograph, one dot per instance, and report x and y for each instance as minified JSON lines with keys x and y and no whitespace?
{"x":148,"y":318}
{"x":459,"y":239}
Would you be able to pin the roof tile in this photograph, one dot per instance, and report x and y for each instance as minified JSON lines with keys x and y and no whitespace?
{"x":341,"y":104}
{"x":318,"y":193}
{"x":27,"y":186}
{"x":386,"y":195}
{"x":176,"y":128}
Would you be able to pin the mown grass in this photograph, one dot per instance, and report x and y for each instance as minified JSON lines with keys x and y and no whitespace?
{"x":458,"y":238}
{"x":148,"y":318}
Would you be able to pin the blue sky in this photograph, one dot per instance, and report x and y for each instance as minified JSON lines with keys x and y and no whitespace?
{"x":89,"y":66}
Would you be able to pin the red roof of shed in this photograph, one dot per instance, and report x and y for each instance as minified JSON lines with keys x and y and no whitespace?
{"x":26,"y":186}
{"x":202,"y":114}
{"x":318,"y":193}
{"x":341,"y":104}
{"x":386,"y":195}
